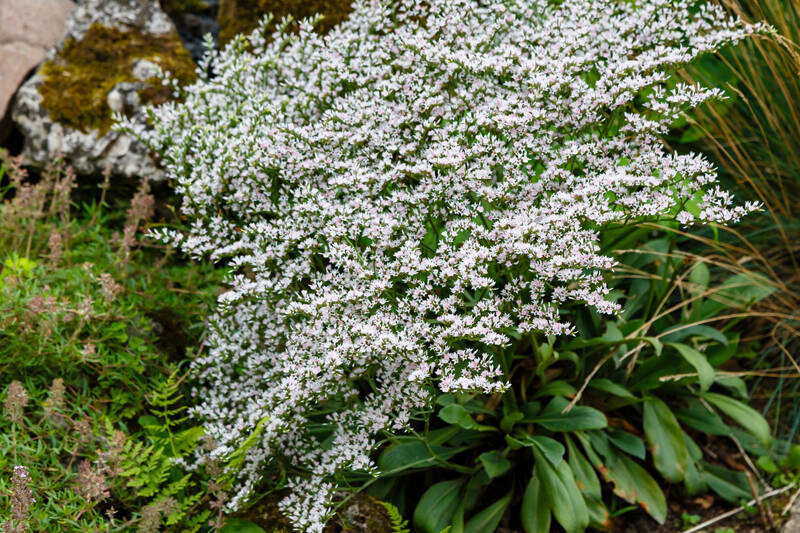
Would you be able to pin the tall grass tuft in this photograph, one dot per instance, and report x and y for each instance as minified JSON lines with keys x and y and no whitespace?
{"x":755,"y":138}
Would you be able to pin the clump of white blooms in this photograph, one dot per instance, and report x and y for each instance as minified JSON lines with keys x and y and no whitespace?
{"x":401,"y":197}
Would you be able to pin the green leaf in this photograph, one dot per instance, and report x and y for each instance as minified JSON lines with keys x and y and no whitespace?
{"x":508,"y":421}
{"x":186,"y":439}
{"x":766,"y":464}
{"x":457,"y":414}
{"x":599,"y":517}
{"x":436,"y":508}
{"x":238,"y":525}
{"x":665,"y":438}
{"x":535,"y":514}
{"x":577,"y":419}
{"x":610,"y":387}
{"x":494,"y":463}
{"x":680,"y":332}
{"x":655,"y":343}
{"x":745,"y":289}
{"x":530,"y":410}
{"x":631,"y":482}
{"x":556,"y":388}
{"x":746,"y":416}
{"x":487,"y":520}
{"x":703,"y":420}
{"x":409,"y":455}
{"x":700,"y":276}
{"x":626,"y":442}
{"x":562,"y":494}
{"x":734,"y":384}
{"x":705,"y":372}
{"x":585,"y":475}
{"x":551,"y":448}
{"x":692,"y":481}
{"x":732,"y":486}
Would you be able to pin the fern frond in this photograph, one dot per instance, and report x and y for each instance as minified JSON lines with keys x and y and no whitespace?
{"x":398,"y":524}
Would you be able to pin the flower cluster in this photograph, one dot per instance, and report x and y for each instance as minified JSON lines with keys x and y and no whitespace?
{"x":401,"y":197}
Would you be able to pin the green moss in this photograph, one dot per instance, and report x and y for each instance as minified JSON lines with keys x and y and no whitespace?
{"x":362,"y":513}
{"x":76,"y":83}
{"x":242,"y":16}
{"x":184,"y":6}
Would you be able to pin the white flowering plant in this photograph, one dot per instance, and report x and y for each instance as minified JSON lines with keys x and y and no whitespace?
{"x":408,"y":201}
{"x":585,"y":409}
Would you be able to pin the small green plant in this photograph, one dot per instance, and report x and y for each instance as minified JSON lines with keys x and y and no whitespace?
{"x":688,"y":520}
{"x":94,"y":322}
{"x":399,"y":525}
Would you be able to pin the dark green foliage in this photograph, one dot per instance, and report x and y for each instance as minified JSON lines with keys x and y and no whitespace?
{"x":610,"y":414}
{"x":243,"y":16}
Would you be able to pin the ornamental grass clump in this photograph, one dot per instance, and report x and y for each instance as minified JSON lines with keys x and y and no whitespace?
{"x":401,"y":197}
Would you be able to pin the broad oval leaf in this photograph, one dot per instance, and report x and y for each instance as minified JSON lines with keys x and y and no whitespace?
{"x":665,"y":438}
{"x":627,"y":442}
{"x":730,"y":485}
{"x":681,"y":331}
{"x":700,"y":276}
{"x":585,"y":475}
{"x":487,"y":520}
{"x":631,"y":482}
{"x":494,"y":463}
{"x":705,"y":372}
{"x":746,"y":416}
{"x":550,"y":448}
{"x":410,"y":455}
{"x":238,"y":525}
{"x":562,"y":493}
{"x":611,"y":387}
{"x":436,"y":508}
{"x":458,"y":415}
{"x":579,"y":418}
{"x":535,"y":514}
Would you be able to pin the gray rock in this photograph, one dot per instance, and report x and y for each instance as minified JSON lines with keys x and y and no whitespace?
{"x":144,"y":69}
{"x":90,"y":152}
{"x":144,"y":15}
{"x":28,"y":29}
{"x":793,"y":525}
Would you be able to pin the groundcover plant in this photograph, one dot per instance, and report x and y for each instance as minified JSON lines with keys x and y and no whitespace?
{"x":402,"y":197}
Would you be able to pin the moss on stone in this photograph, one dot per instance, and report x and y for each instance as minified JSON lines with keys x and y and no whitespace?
{"x":76,"y":83}
{"x":184,"y":6}
{"x":361,"y":514}
{"x":242,"y":16}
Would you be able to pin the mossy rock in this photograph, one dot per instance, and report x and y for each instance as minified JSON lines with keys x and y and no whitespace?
{"x":362,"y":513}
{"x":77,"y":81}
{"x":184,"y":6}
{"x":243,"y":16}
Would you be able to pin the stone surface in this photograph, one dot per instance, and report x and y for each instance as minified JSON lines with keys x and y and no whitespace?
{"x":793,"y":525}
{"x":91,"y":146}
{"x":28,"y":29}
